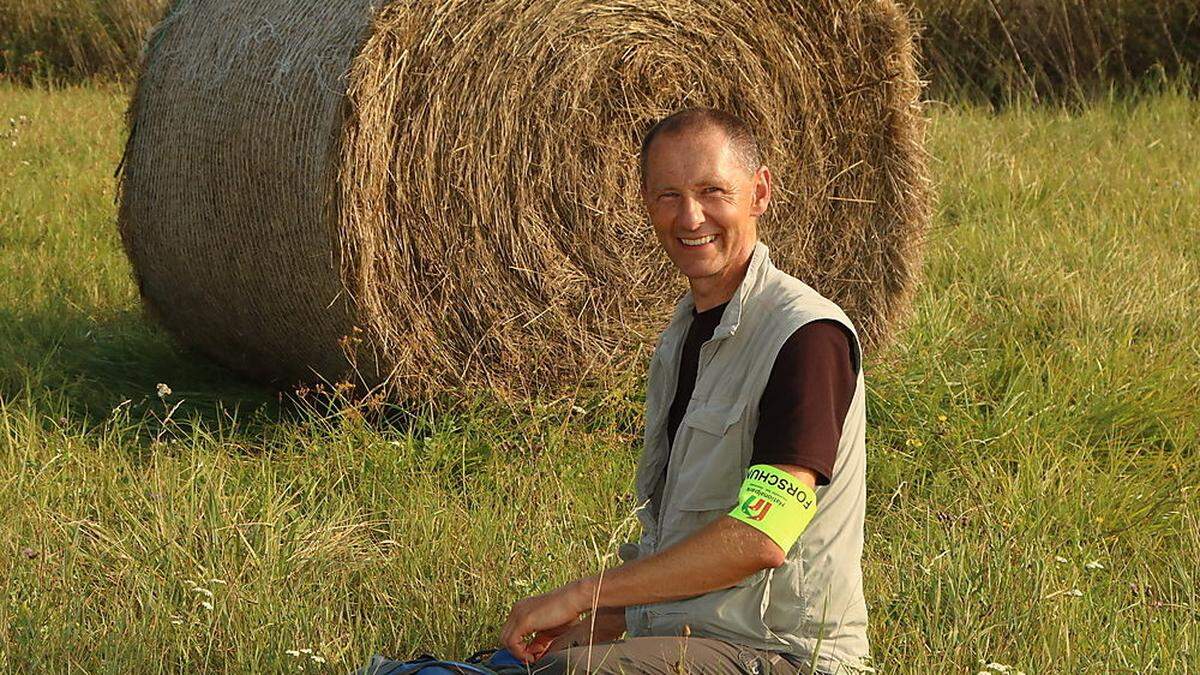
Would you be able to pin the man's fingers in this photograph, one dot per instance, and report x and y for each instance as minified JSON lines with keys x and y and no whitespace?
{"x":513,"y":637}
{"x":540,"y":652}
{"x":518,"y":649}
{"x":507,"y":634}
{"x":515,"y":644}
{"x":538,"y":640}
{"x":532,"y":618}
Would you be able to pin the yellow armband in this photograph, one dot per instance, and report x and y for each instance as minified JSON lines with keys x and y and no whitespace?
{"x":775,"y":503}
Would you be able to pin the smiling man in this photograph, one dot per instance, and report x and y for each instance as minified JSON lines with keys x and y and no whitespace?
{"x":753,"y":468}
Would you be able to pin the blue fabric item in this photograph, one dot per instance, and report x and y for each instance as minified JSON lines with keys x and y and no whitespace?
{"x":500,"y":662}
{"x":504,"y":657}
{"x":425,"y":665}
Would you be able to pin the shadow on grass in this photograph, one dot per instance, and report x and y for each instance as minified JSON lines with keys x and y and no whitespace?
{"x":65,"y":363}
{"x":76,"y":369}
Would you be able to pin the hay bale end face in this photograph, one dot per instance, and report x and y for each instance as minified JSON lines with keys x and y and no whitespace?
{"x":446,"y":194}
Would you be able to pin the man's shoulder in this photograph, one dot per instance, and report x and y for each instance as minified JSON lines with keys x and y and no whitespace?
{"x":787,"y":305}
{"x":788,"y":297}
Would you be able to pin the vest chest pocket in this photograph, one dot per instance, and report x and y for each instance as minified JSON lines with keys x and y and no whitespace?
{"x":713,"y":464}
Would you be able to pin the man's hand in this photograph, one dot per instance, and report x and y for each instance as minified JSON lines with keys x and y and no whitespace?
{"x":544,"y":617}
{"x":543,"y":641}
{"x":604,"y":625}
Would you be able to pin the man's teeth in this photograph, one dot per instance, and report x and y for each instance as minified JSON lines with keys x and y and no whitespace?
{"x":698,"y":242}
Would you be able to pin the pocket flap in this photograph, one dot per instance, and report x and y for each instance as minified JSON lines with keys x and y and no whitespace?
{"x":715,"y":417}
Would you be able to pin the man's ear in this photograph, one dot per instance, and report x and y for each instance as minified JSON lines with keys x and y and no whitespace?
{"x":762,"y":191}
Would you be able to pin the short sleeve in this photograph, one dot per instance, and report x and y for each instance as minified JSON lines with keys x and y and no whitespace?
{"x":806,"y":400}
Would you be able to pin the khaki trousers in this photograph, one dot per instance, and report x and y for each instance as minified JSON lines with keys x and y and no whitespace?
{"x":665,"y":656}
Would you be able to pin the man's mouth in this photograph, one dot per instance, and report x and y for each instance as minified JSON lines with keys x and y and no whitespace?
{"x":698,"y":242}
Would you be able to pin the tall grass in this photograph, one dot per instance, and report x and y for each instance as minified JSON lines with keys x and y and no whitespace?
{"x":1033,"y":483}
{"x":996,"y":51}
{"x":1066,"y":50}
{"x":73,"y":40}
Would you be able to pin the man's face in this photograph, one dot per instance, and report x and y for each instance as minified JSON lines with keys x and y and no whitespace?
{"x":703,"y":202}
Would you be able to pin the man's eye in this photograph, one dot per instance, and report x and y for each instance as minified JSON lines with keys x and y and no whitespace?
{"x":712,"y":189}
{"x":668,"y":195}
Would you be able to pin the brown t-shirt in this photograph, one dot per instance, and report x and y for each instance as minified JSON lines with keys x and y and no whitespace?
{"x":804,"y":404}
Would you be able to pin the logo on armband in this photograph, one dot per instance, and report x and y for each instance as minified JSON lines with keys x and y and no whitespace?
{"x":758,"y":510}
{"x":790,"y":503}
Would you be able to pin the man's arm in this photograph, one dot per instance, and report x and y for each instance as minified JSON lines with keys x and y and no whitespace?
{"x":715,"y":557}
{"x":603,"y":625}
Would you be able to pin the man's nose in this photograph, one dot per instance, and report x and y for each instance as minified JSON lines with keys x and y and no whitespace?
{"x":690,"y":214}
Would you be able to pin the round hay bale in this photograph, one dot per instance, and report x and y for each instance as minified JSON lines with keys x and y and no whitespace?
{"x":445,"y":193}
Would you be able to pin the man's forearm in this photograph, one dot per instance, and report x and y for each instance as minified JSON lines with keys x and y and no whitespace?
{"x":717,"y":556}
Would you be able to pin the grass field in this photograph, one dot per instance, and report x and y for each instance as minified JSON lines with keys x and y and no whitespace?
{"x":1032,"y":444}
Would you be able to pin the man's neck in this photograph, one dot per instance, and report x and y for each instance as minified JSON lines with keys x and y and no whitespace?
{"x":708,"y":292}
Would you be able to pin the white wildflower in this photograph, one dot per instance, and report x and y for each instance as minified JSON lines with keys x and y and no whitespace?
{"x":1075,"y":593}
{"x":162,"y":390}
{"x":1093,"y":565}
{"x":292,"y":652}
{"x":1060,"y":559}
{"x":207,"y":605}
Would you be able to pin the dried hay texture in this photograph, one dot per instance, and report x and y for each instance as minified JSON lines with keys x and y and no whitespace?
{"x":454,"y":186}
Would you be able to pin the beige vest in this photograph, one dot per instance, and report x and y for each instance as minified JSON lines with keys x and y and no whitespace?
{"x":813,"y":603}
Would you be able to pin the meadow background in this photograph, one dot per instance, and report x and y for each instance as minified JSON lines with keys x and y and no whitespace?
{"x":1032,"y":440}
{"x":994,"y":51}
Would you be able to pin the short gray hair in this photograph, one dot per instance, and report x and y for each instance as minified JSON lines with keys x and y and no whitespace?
{"x":740,"y":136}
